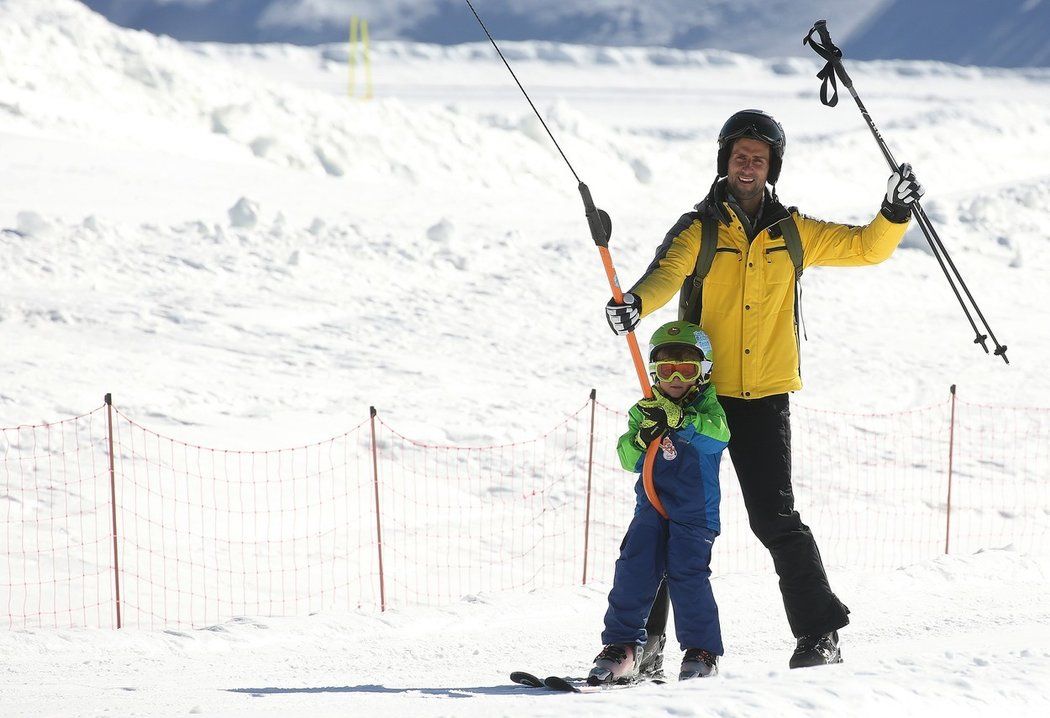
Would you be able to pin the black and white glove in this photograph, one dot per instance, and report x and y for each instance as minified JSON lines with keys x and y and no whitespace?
{"x":624,"y":316}
{"x":902,"y":191}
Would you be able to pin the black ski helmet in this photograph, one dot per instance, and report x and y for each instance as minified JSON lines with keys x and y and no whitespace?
{"x":758,"y":125}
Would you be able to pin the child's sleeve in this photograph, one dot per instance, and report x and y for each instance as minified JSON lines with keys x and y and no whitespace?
{"x":710,"y":423}
{"x":629,"y":452}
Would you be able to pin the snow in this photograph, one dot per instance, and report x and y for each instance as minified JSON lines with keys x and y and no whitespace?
{"x":245,"y":257}
{"x":957,"y":636}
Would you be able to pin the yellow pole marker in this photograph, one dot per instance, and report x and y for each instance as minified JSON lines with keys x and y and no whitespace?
{"x":367,"y":59}
{"x":352,"y":56}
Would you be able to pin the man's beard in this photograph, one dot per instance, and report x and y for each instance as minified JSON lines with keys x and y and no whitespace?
{"x":745,"y":192}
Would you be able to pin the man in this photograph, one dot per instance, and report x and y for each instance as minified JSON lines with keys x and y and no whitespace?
{"x":741,"y":288}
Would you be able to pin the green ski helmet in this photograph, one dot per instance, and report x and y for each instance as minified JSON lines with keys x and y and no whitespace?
{"x":684,"y":334}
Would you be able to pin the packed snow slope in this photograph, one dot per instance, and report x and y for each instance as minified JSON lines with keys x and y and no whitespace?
{"x":247,"y":257}
{"x":958,"y":637}
{"x":437,"y":221}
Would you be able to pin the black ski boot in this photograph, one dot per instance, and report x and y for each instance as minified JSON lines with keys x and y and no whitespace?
{"x":819,"y":650}
{"x":698,"y":663}
{"x":652,"y":665}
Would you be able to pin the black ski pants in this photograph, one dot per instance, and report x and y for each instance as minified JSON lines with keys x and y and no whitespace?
{"x":760,"y":447}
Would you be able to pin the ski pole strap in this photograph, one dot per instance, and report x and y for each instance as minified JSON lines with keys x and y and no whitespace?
{"x":827,"y":50}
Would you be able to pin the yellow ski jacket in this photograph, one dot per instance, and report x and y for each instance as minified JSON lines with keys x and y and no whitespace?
{"x":748,"y":304}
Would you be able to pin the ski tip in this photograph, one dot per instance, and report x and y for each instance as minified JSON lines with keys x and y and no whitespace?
{"x":526,"y":679}
{"x":557,"y":683}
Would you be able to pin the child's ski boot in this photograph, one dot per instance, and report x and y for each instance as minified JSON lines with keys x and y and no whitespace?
{"x":617,"y":663}
{"x":698,"y":663}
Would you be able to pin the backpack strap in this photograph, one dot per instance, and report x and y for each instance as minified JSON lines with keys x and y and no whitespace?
{"x":793,"y":242}
{"x":690,"y":309}
{"x":708,"y":247}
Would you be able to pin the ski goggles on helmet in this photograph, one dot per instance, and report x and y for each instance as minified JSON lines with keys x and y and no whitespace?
{"x":671,"y":369}
{"x":757,"y":125}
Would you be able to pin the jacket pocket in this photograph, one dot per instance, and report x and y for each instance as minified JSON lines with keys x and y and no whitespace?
{"x":779,"y":268}
{"x":725,"y":266}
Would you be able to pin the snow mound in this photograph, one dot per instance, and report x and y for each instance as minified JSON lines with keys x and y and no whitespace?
{"x":70,"y":69}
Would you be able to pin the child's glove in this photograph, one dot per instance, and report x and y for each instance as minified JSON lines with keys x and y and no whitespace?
{"x":661,"y":405}
{"x":659,"y":414}
{"x":649,"y":430}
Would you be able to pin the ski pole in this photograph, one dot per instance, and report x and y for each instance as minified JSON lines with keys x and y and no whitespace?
{"x":827,"y":50}
{"x":601,"y":228}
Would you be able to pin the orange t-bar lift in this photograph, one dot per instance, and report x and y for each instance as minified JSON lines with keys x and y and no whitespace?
{"x":601,"y":229}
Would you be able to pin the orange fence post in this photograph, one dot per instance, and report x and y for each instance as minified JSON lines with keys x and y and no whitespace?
{"x":113,"y":504}
{"x":379,"y":529}
{"x":590,"y":471}
{"x":951,"y":456}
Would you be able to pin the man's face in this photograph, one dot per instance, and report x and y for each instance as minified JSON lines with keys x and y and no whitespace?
{"x":748,"y":168}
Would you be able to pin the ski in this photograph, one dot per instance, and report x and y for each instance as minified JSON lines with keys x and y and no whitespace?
{"x":575,"y":685}
{"x":570,"y":685}
{"x":526,"y":679}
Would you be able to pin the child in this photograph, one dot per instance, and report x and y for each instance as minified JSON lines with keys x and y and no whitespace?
{"x":685,"y":412}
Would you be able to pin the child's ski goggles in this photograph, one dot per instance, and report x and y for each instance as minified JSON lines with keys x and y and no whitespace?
{"x":684,"y":370}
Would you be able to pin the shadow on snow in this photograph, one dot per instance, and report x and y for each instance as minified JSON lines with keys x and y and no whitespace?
{"x":451,"y":692}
